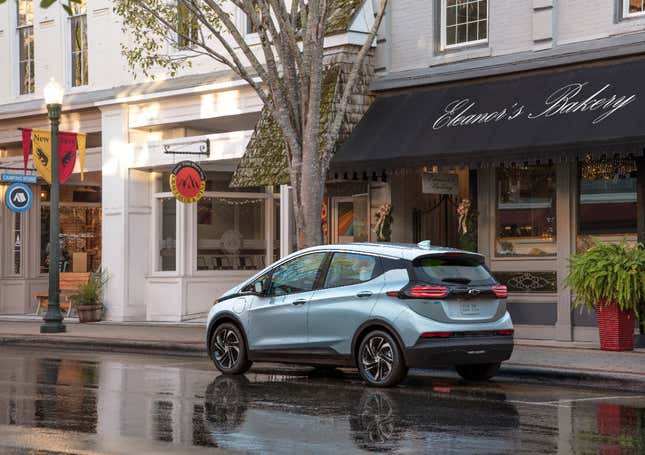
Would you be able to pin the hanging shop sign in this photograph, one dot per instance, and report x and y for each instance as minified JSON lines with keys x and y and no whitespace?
{"x":188,"y":182}
{"x":18,"y":178}
{"x":440,"y":184}
{"x":19,"y":197}
{"x":39,"y":143}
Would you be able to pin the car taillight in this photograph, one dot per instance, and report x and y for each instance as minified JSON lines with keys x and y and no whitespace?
{"x":500,"y":291}
{"x":436,"y":334}
{"x":505,"y":332}
{"x":427,"y":292}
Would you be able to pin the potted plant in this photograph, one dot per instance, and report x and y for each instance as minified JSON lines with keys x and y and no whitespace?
{"x":610,"y":278}
{"x":88,"y":298}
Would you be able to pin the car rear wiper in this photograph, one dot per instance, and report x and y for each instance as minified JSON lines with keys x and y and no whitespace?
{"x":456,"y":280}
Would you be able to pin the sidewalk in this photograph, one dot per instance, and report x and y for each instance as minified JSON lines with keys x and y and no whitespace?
{"x":539,"y":360}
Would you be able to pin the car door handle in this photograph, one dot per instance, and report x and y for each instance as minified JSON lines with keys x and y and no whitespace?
{"x":299,"y":302}
{"x":364,"y":294}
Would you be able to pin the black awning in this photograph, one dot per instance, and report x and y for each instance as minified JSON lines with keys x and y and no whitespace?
{"x":594,"y":104}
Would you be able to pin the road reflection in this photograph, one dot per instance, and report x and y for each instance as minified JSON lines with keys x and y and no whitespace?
{"x":103,"y":403}
{"x":279,"y":414}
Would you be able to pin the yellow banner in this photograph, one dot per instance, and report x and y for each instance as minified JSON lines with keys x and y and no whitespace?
{"x":80,"y":143}
{"x":42,"y":152}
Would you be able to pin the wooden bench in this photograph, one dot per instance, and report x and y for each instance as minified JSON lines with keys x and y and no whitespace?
{"x":69,"y":284}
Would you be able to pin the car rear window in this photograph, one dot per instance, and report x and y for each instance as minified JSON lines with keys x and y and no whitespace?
{"x":466,"y":270}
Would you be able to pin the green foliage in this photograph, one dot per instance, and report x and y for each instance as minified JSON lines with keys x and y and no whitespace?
{"x":91,"y":292}
{"x":606,"y":274}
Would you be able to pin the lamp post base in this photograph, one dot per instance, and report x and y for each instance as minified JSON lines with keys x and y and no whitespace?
{"x":53,"y":327}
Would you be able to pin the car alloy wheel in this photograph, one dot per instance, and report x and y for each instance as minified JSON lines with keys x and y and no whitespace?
{"x":228,"y":350}
{"x":377,"y":358}
{"x":380,"y":361}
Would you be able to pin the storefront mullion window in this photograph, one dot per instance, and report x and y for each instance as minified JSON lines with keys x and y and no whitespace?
{"x":607,"y":201}
{"x":166,"y":207}
{"x":526,"y":211}
{"x":17,"y":242}
{"x":231,"y":231}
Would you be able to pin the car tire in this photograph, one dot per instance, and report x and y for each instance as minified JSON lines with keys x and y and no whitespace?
{"x":380,"y":360}
{"x":478,"y":372}
{"x":227,"y":349}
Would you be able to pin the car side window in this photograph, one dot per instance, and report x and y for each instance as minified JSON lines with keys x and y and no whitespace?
{"x":346,"y":269}
{"x":297,"y":275}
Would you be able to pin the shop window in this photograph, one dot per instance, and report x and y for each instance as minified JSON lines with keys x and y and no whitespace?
{"x":463,"y":22}
{"x":78,"y":41}
{"x":607,"y":202}
{"x":16,"y":243}
{"x":167,"y":240}
{"x":80,"y":229}
{"x":25,"y":29}
{"x":633,"y":8}
{"x":231,"y":232}
{"x":526,"y":212}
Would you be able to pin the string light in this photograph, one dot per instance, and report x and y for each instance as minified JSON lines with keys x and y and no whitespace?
{"x":607,"y":169}
{"x":234,"y":202}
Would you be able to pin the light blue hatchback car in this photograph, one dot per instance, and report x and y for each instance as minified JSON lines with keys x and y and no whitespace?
{"x":380,"y":307}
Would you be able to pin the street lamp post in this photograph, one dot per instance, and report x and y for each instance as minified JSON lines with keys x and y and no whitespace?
{"x":54,"y":318}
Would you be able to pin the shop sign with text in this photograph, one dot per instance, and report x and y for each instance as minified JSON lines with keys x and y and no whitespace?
{"x":440,"y":184}
{"x":188,"y":182}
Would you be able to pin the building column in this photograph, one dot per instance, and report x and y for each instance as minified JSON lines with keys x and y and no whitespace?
{"x":115,"y":157}
{"x":566,"y":227}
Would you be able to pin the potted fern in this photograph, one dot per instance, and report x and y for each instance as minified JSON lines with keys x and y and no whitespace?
{"x":610,"y":278}
{"x":88,"y":299}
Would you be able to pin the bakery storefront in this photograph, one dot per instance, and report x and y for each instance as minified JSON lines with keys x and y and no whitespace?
{"x":526,"y":168}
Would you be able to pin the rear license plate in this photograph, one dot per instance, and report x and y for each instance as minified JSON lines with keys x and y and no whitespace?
{"x":469,"y":309}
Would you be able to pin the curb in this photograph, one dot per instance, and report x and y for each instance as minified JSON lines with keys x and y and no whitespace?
{"x":596,"y":379}
{"x":94,"y":344}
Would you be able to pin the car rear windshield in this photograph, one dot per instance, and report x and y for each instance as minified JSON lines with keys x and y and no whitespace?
{"x":453,"y":270}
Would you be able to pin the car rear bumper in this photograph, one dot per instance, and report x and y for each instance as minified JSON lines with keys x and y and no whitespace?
{"x":432,"y":352}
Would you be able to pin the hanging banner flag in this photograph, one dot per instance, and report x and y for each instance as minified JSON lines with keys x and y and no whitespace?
{"x":188,"y":182}
{"x":26,"y":147}
{"x":42,"y":151}
{"x":80,"y":141}
{"x":66,"y":155}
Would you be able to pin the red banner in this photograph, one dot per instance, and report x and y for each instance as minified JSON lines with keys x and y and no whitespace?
{"x":26,"y":147}
{"x":66,"y":155}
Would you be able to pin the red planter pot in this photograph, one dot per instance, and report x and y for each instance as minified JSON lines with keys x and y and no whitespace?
{"x":616,"y":328}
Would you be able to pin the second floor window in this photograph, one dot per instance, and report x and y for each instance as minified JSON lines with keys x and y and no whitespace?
{"x":187,"y":26}
{"x":463,"y":22}
{"x":634,"y":7}
{"x":78,"y":37}
{"x":25,"y":28}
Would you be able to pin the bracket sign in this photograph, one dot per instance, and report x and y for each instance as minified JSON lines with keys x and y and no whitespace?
{"x":202,"y":147}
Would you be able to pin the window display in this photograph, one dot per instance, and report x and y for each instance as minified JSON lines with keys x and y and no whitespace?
{"x":80,"y":229}
{"x":607,"y":203}
{"x":526,"y":215}
{"x":230,"y":233}
{"x":167,"y":261}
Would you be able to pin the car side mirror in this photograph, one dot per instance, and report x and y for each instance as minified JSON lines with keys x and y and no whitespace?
{"x":258,"y":287}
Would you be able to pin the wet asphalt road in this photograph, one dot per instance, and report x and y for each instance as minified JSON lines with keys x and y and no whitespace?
{"x":68,"y":402}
